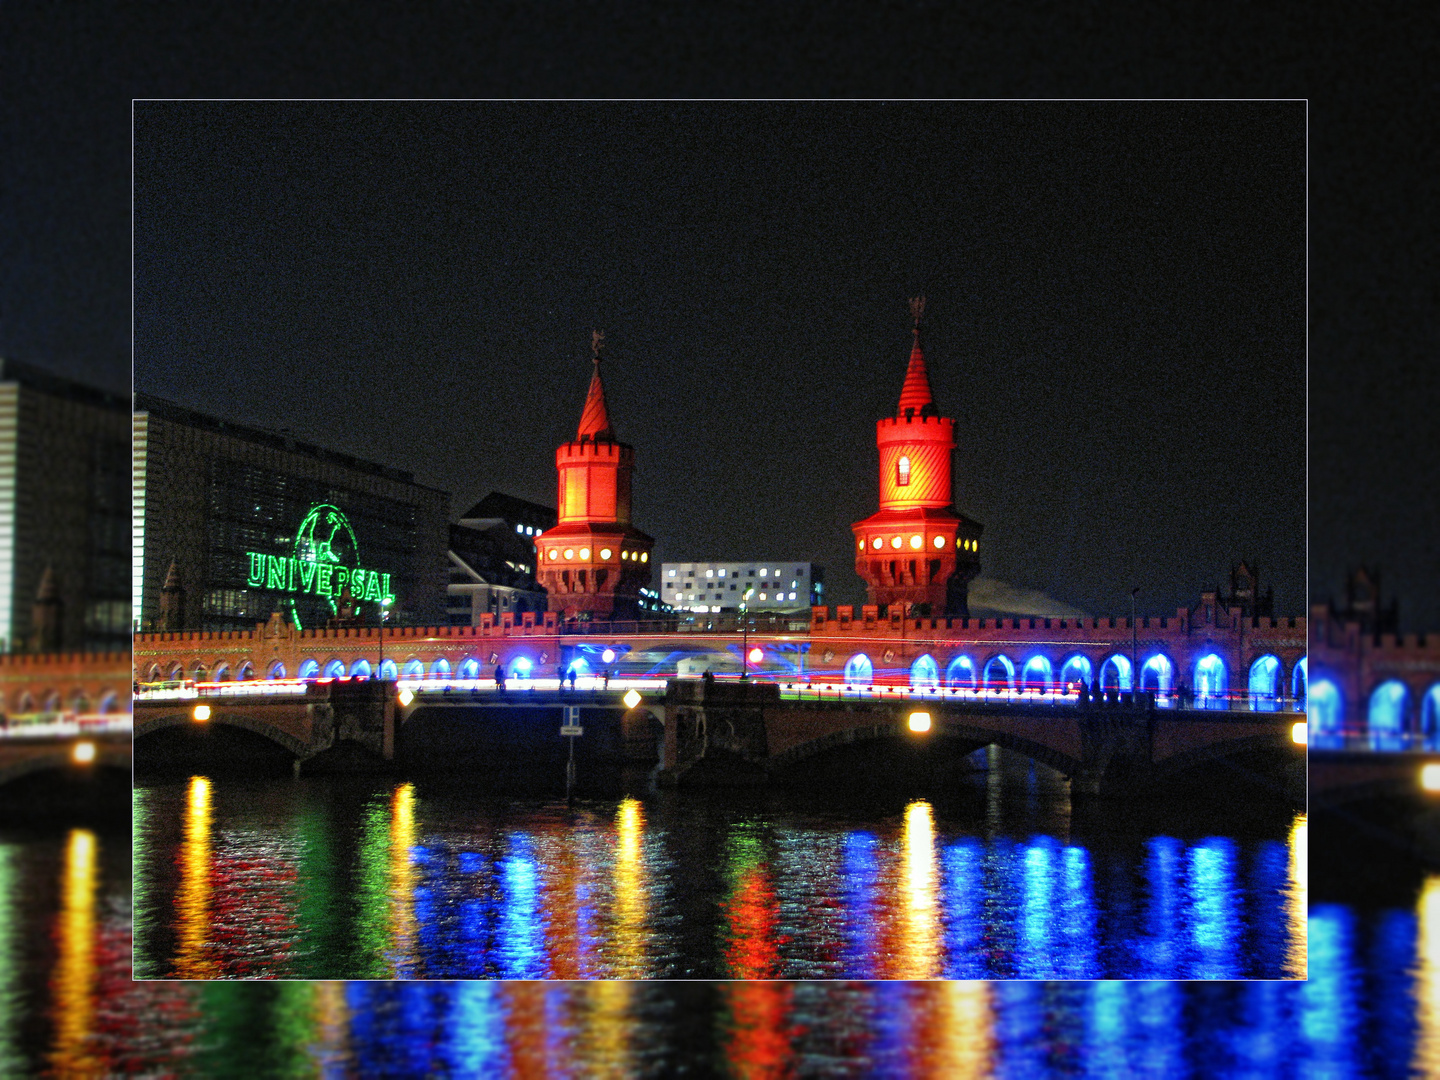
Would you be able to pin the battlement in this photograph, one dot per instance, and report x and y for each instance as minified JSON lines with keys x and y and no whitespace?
{"x":590,"y":452}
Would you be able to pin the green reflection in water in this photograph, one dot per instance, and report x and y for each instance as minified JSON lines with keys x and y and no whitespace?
{"x":144,"y":919}
{"x":256,"y":1029}
{"x":12,"y":1063}
{"x":319,"y":927}
{"x":372,"y":900}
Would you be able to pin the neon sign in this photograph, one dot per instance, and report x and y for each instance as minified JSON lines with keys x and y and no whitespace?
{"x":325,"y":561}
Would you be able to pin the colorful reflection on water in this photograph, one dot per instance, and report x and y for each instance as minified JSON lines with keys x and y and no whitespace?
{"x":281,"y":879}
{"x":1371,"y":1006}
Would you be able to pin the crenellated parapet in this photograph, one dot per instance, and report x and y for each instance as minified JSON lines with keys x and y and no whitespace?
{"x":81,"y":682}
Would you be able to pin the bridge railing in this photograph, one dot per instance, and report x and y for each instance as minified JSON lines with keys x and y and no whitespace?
{"x":1364,"y":739}
{"x":56,"y":725}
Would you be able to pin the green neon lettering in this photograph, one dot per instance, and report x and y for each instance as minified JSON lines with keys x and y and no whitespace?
{"x":256,"y":577}
{"x":385,"y":587}
{"x":291,"y":586}
{"x":275,"y":571}
{"x":342,"y":575}
{"x":322,"y":583}
{"x":307,"y":575}
{"x":357,"y":582}
{"x":372,"y":586}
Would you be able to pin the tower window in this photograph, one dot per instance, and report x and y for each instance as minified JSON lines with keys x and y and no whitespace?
{"x":902,"y":471}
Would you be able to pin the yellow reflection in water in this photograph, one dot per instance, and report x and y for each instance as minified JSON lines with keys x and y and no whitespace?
{"x":919,"y":910}
{"x":603,"y":1048}
{"x":1427,"y":982}
{"x":954,"y":1031}
{"x":332,"y":1026}
{"x":1296,"y":900}
{"x":193,"y":957}
{"x":402,"y":879}
{"x":72,"y":984}
{"x":628,"y":935}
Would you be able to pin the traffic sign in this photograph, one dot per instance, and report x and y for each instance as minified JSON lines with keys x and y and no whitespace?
{"x":572,"y":729}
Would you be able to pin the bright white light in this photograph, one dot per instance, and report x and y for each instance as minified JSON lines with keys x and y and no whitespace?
{"x":608,"y":655}
{"x":895,"y":541}
{"x":763,"y":571}
{"x":519,"y":528}
{"x":644,"y":556}
{"x":202,"y":712}
{"x":631,"y":698}
{"x":919,"y":721}
{"x":672,"y":573}
{"x":756,"y":655}
{"x":722,"y":573}
{"x":605,"y":553}
{"x":1430,"y":778}
{"x":570,"y":553}
{"x":709,"y":573}
{"x":584,"y":553}
{"x":792,"y":595}
{"x":1299,"y":734}
{"x":939,"y":541}
{"x":406,"y":697}
{"x":916,"y":541}
{"x":84,"y":753}
{"x":762,"y":596}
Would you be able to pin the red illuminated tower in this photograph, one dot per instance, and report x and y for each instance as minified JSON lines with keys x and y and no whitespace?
{"x":593,"y":563}
{"x":917,"y":551}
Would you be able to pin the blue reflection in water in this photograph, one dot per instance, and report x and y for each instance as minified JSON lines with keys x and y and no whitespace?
{"x":521,"y":952}
{"x":1268,"y":871}
{"x":1020,"y":1037}
{"x":477,"y":1029}
{"x":1035,"y":959}
{"x":1328,"y":1001}
{"x":1214,"y":923}
{"x":1393,"y":986}
{"x":963,"y":912}
{"x":1134,"y":1030}
{"x":1155,"y":953}
{"x":1076,"y":959}
{"x":858,"y":885}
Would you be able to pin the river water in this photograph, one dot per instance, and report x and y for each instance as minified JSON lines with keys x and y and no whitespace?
{"x":387,"y":879}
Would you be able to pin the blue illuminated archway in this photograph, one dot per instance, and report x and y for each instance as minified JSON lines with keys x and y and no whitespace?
{"x":1297,"y":682}
{"x":960,"y":674}
{"x":925,"y":673}
{"x":1387,"y":715}
{"x":360,"y":669}
{"x":520,"y":666}
{"x":999,"y":673}
{"x":1430,"y":717}
{"x":1075,"y":671}
{"x":1036,"y":675}
{"x":1157,"y":674}
{"x":1325,"y":713}
{"x":1211,"y":682}
{"x":334,"y":669}
{"x":388,"y":670}
{"x":246,"y":672}
{"x":277,"y":671}
{"x":1265,"y":683}
{"x":309,"y":669}
{"x":440,"y":669}
{"x":859,"y":670}
{"x":580,"y":666}
{"x":413,"y":669}
{"x":222,"y":673}
{"x":469,"y":668}
{"x":1115,"y":673}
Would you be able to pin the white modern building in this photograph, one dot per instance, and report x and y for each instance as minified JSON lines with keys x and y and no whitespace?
{"x":721,"y":587}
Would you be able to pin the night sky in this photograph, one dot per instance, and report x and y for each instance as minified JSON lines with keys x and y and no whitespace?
{"x":755,"y":309}
{"x":1115,"y":317}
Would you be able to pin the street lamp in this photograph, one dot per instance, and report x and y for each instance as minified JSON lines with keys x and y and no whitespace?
{"x":1134,"y":649}
{"x":380,"y":612}
{"x":745,"y":635}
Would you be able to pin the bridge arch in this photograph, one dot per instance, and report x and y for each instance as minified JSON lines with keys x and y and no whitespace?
{"x":221,"y":673}
{"x":1037,"y":675}
{"x":276,"y":670}
{"x":469,"y":668}
{"x":59,"y":759}
{"x":859,"y":670}
{"x":154,"y":673}
{"x":1077,"y":669}
{"x":182,"y":719}
{"x":960,"y":673}
{"x":1115,"y":673}
{"x":1387,"y":716}
{"x":108,"y":701}
{"x":1325,"y":712}
{"x":1211,"y":682}
{"x":309,"y":668}
{"x":199,"y":672}
{"x":413,"y":669}
{"x":1157,"y":674}
{"x":999,"y":673}
{"x":80,"y":701}
{"x":1430,"y":716}
{"x":176,"y":672}
{"x":334,"y":668}
{"x":925,"y":673}
{"x":440,"y":669}
{"x":246,"y":672}
{"x":388,"y":670}
{"x":51,"y":701}
{"x":520,"y":665}
{"x":1298,"y":679}
{"x":1266,"y":682}
{"x":360,"y":669}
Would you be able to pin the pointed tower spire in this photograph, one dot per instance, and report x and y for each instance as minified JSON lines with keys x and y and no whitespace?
{"x":595,"y":420}
{"x":915,"y":396}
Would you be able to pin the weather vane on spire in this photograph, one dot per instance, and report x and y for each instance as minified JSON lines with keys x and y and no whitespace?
{"x":597,"y":342}
{"x":917,"y":309}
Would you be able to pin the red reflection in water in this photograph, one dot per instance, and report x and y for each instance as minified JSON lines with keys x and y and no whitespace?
{"x":526,"y":1031}
{"x":759,"y":1032}
{"x":751,"y":948}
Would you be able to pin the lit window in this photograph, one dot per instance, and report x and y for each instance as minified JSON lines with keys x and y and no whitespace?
{"x":902,"y":471}
{"x":939,"y":541}
{"x":792,"y":596}
{"x":762,"y":596}
{"x":554,"y":553}
{"x":722,"y":573}
{"x":916,"y":541}
{"x":763,"y":571}
{"x":584,"y":553}
{"x":672,"y":572}
{"x":520,"y":528}
{"x":895,"y":541}
{"x":605,"y":553}
{"x":709,"y":573}
{"x":569,"y":553}
{"x":644,"y":556}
